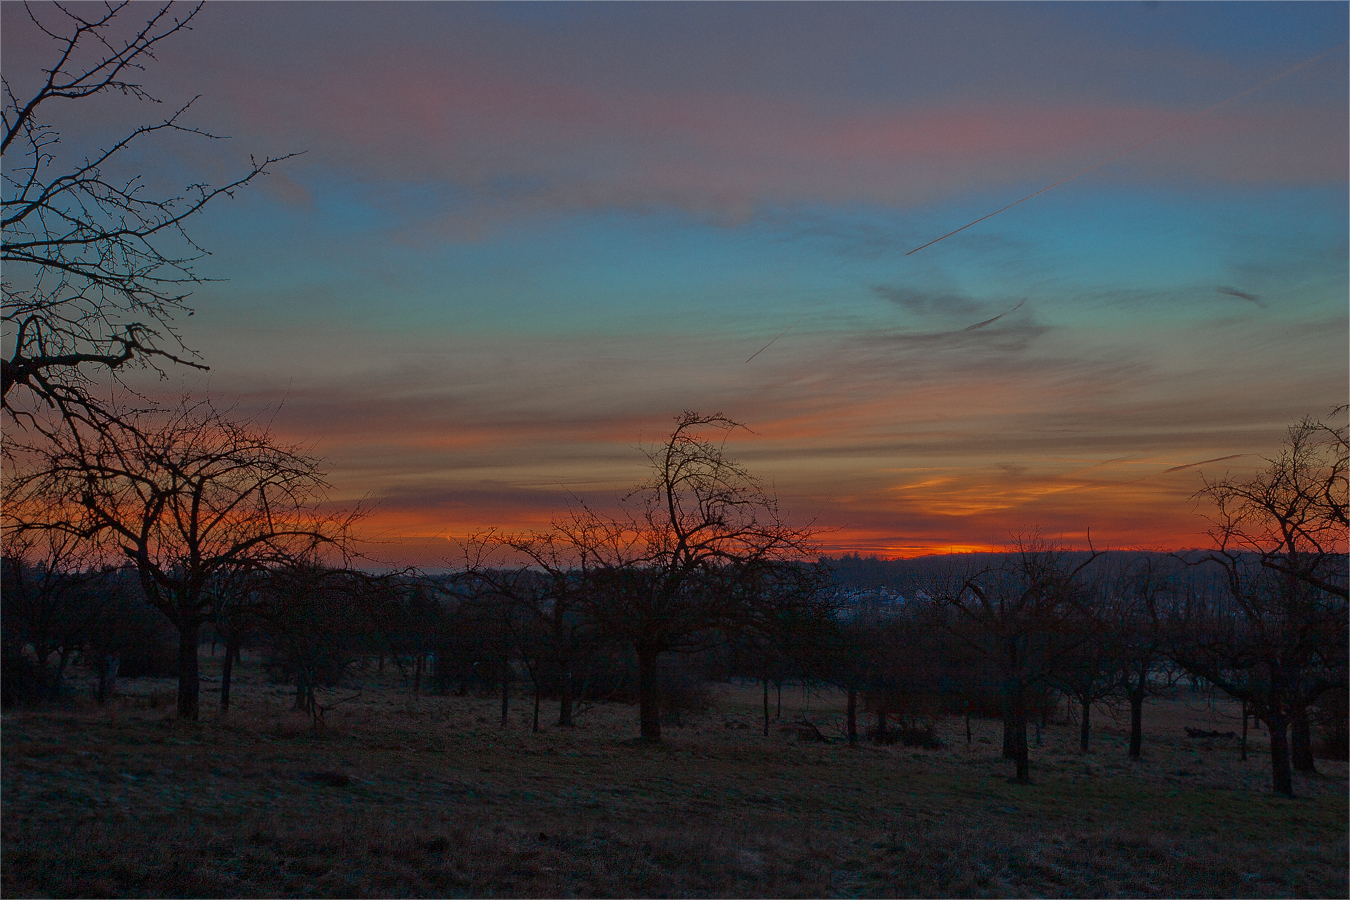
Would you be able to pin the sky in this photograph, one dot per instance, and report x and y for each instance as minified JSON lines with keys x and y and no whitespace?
{"x":520,"y":239}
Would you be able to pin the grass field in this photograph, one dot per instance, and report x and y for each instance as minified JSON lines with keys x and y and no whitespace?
{"x":439,"y":800}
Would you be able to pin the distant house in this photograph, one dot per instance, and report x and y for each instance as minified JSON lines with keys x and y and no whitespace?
{"x":873,"y":604}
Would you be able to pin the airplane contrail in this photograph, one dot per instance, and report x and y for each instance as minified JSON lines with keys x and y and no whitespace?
{"x":1201,"y":463}
{"x":1204,"y":112}
{"x":770,"y":343}
{"x":995,"y":318}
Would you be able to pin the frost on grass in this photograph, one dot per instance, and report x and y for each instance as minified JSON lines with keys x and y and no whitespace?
{"x":443,"y":801}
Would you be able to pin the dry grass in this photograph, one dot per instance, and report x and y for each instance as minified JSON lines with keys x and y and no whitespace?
{"x":439,"y":800}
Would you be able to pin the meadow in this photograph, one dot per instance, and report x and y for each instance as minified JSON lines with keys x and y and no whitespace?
{"x":433,"y":797}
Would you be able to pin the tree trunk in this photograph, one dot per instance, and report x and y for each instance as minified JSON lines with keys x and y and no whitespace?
{"x":881,"y":724}
{"x":227,"y":671}
{"x":1136,"y":723}
{"x":43,"y":686}
{"x":506,"y":688}
{"x":535,"y":727}
{"x":1019,"y":736}
{"x":189,"y":686}
{"x":1023,"y":757}
{"x":649,"y":694}
{"x":1244,"y":729}
{"x":1282,"y":779}
{"x":1009,"y":748}
{"x":301,"y":691}
{"x":565,"y":703}
{"x":61,"y":661}
{"x":1085,"y":726}
{"x":766,"y":705}
{"x":107,"y":678}
{"x":1300,"y":742}
{"x":779,"y":686}
{"x":853,"y":715}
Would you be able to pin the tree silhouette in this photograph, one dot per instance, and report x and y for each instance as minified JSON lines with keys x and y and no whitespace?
{"x":55,"y":597}
{"x":1293,"y":513}
{"x":95,"y":269}
{"x":704,"y":552}
{"x":185,"y":496}
{"x":1020,"y":613}
{"x":564,"y":561}
{"x":1276,"y":636}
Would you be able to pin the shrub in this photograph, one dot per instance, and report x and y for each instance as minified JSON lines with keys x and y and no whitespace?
{"x":20,"y":680}
{"x":1331,"y":717}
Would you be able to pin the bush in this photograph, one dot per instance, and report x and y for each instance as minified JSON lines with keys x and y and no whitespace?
{"x":1331,"y":717}
{"x":20,"y":680}
{"x":682,"y":692}
{"x":910,"y":734}
{"x":145,"y":644}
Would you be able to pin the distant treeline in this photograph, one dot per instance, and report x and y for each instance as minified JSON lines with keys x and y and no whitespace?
{"x":905,"y":576}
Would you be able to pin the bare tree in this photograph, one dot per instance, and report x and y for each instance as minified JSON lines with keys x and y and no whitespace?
{"x":847,"y":653}
{"x":408,"y":616}
{"x":321,"y":620}
{"x":1276,"y":637}
{"x":1117,"y":650}
{"x":55,"y":597}
{"x":1144,"y":668}
{"x":1292,"y":513}
{"x":1018,"y":613}
{"x":1269,"y":640}
{"x":95,"y":269}
{"x":1089,"y":672}
{"x":706,"y":550}
{"x":565,"y":559}
{"x":237,"y":596}
{"x":184,"y":496}
{"x":789,"y":621}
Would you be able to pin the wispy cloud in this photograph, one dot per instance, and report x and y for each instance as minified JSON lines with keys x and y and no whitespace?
{"x":923,"y":302}
{"x":1241,"y":295}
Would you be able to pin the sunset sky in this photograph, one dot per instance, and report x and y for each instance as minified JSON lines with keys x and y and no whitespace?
{"x":522,"y":238}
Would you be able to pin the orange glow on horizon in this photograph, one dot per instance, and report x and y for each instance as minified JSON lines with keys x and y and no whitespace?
{"x":427,"y":537}
{"x":931,"y":485}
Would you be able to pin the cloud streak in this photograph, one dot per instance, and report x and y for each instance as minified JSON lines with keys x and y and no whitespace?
{"x":979,"y":325}
{"x":1138,"y":144}
{"x":533,"y":118}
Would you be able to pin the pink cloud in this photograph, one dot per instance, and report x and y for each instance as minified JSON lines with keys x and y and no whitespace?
{"x":680,"y":112}
{"x":533,"y":121}
{"x":420,"y":120}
